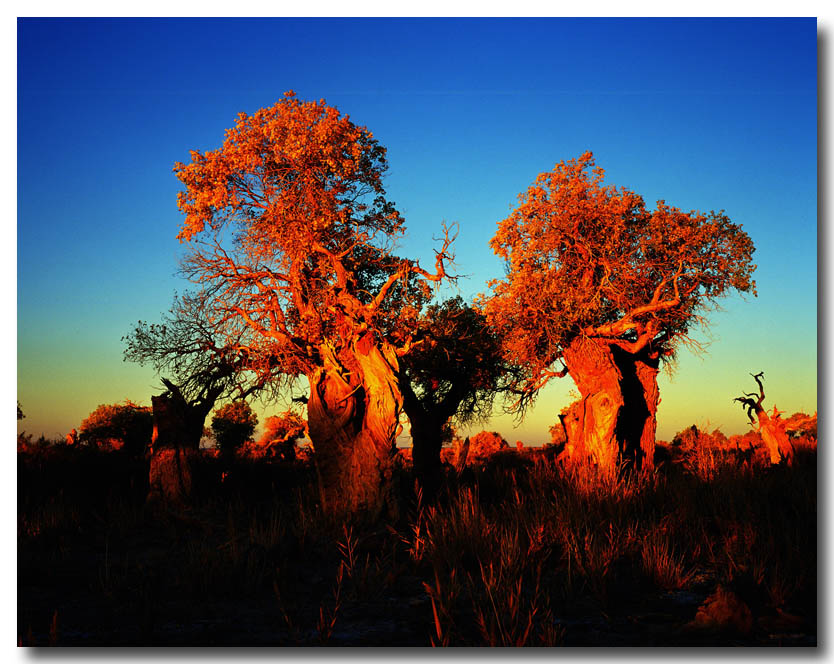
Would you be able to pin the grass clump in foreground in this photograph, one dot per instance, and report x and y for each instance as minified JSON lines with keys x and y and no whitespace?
{"x":516,"y":551}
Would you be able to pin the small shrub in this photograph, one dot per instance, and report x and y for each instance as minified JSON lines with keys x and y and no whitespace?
{"x":483,"y":445}
{"x":281,"y":433}
{"x":125,"y":426}
{"x":233,"y":424}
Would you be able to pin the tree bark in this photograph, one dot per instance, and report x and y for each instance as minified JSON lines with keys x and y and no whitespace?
{"x":426,"y":440}
{"x":353,"y":420}
{"x":591,"y":422}
{"x":771,"y":428}
{"x":177,"y":428}
{"x":647,"y":370}
{"x":775,"y":436}
{"x":615,"y":421}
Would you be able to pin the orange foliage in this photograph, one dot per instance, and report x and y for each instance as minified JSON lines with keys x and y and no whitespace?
{"x":588,"y":260}
{"x":300,"y":187}
{"x":281,"y":432}
{"x":484,"y":444}
{"x":291,"y":236}
{"x":115,"y":426}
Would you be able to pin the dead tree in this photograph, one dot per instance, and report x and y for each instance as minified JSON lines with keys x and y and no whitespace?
{"x":770,"y":426}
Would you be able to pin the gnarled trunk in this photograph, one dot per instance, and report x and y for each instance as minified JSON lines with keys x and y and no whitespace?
{"x":177,"y":428}
{"x":771,"y":428}
{"x":775,"y":436}
{"x":637,"y":423}
{"x":353,"y":420}
{"x":616,"y":418}
{"x":647,"y":369}
{"x":591,"y":422}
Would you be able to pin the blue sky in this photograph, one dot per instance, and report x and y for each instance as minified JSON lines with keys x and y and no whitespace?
{"x":706,"y":114}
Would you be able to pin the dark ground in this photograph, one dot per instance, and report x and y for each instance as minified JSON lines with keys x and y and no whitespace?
{"x":254,"y":564}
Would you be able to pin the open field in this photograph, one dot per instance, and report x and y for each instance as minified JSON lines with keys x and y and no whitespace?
{"x":714,"y":548}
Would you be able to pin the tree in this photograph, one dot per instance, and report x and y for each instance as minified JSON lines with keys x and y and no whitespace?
{"x":452,"y":372}
{"x":233,"y":424}
{"x":205,"y":360}
{"x":288,"y":224}
{"x":281,"y":432}
{"x":198,"y":353}
{"x":602,"y":288}
{"x":771,"y":427}
{"x":126,"y":426}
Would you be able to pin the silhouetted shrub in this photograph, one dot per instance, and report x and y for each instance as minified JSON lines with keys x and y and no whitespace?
{"x":125,"y":426}
{"x":233,"y":424}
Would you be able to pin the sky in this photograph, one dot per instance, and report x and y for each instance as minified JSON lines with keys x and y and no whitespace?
{"x":705,"y":114}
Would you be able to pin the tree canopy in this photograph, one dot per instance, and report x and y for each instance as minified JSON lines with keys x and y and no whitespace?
{"x":586,"y":260}
{"x":233,"y":424}
{"x":202,"y":357}
{"x":289,"y":225}
{"x":122,"y":425}
{"x":455,"y":367}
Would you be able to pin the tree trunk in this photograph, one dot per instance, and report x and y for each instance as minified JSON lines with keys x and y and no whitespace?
{"x":353,"y":420}
{"x":591,"y":422}
{"x":177,"y":428}
{"x":427,"y":441}
{"x":775,"y":436}
{"x":637,"y":423}
{"x":615,"y":421}
{"x":647,"y":370}
{"x":170,"y":478}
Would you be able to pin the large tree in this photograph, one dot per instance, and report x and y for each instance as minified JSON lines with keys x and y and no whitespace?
{"x":452,"y":374}
{"x":602,"y":288}
{"x":289,"y":223}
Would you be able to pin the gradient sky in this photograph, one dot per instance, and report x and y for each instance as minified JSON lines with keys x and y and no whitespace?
{"x":705,"y":114}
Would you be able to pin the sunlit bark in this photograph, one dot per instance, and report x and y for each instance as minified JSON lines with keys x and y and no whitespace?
{"x":647,"y":370}
{"x":591,"y":422}
{"x":608,"y":288}
{"x":615,"y":421}
{"x":353,"y":419}
{"x":771,"y":427}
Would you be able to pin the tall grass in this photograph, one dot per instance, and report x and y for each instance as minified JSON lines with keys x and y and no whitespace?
{"x":508,"y":555}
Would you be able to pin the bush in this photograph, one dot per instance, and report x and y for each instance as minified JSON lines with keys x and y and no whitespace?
{"x":281,"y":432}
{"x":800,"y":424}
{"x":484,"y":444}
{"x":233,"y":425}
{"x":117,"y":426}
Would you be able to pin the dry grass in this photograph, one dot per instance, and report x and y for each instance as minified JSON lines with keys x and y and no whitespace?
{"x":510,"y":553}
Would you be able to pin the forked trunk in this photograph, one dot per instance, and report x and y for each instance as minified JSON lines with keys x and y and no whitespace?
{"x":615,"y":421}
{"x":771,"y":427}
{"x":353,"y":419}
